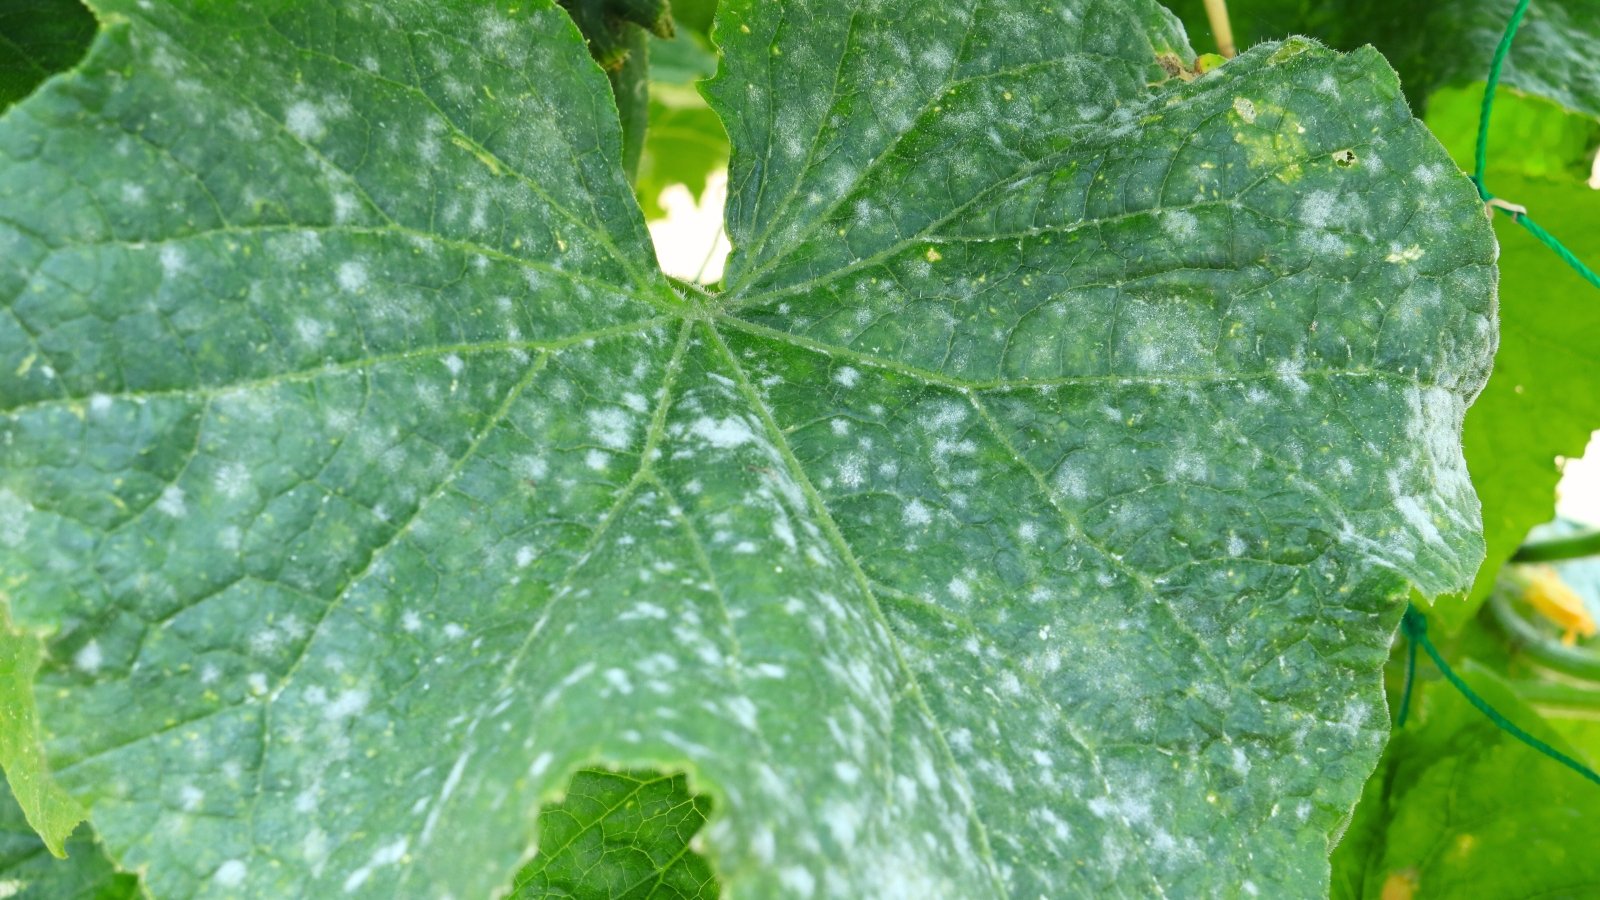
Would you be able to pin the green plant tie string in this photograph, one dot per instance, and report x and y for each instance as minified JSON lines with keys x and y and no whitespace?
{"x":1415,"y":627}
{"x":1411,"y":670}
{"x":1481,"y":155}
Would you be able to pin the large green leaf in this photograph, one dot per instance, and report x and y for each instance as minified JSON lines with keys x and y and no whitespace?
{"x":1461,"y":809}
{"x":1539,"y":157}
{"x":1031,"y":516}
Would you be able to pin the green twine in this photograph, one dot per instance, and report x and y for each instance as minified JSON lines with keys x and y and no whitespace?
{"x":1415,"y":626}
{"x":1411,"y":667}
{"x":1480,"y":156}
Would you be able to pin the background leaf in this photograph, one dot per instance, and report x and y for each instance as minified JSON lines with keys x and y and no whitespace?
{"x":1437,"y":45}
{"x":28,"y":871}
{"x":1460,"y":808}
{"x":1031,"y":516}
{"x":39,"y":38}
{"x":686,"y":142}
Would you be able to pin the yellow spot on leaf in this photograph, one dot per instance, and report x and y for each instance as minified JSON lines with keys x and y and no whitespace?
{"x":933,"y":255}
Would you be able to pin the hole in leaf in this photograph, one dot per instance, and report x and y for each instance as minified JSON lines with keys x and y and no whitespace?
{"x":1344,"y":159}
{"x":620,"y":836}
{"x":39,"y":39}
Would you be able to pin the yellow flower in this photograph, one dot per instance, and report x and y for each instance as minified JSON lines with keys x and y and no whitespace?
{"x":1553,"y":599}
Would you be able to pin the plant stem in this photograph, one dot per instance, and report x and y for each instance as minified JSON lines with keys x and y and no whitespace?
{"x":1570,"y":547}
{"x":1221,"y":29}
{"x":630,"y":87}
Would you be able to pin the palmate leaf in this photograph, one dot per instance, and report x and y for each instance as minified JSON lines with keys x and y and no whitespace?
{"x":1030,"y":516}
{"x":1543,"y":136}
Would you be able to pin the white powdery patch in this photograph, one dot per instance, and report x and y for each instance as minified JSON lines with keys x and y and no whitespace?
{"x":916,"y":515}
{"x":173,"y":261}
{"x":1070,"y":481}
{"x":1133,"y":810}
{"x":724,"y":434}
{"x":843,"y":820}
{"x":851,"y":473}
{"x":1354,"y":717}
{"x":352,"y":276}
{"x":611,"y":428}
{"x":796,"y":879}
{"x":311,"y":332}
{"x":347,"y":704}
{"x":89,"y":658}
{"x":190,"y":797}
{"x":540,"y":765}
{"x":846,"y":377}
{"x":387,"y":855}
{"x":230,"y":874}
{"x":1181,"y":225}
{"x":304,"y":121}
{"x":1289,"y":372}
{"x":171,"y":502}
{"x":1241,"y":762}
{"x":1432,"y":491}
{"x":1318,"y":207}
{"x":344,"y":207}
{"x":1435,"y":426}
{"x":451,"y":782}
{"x":233,"y":480}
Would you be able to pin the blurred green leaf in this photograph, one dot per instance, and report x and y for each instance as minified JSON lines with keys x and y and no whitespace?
{"x":29,"y":872}
{"x":39,"y":38}
{"x":686,"y":142}
{"x":1459,"y":808}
